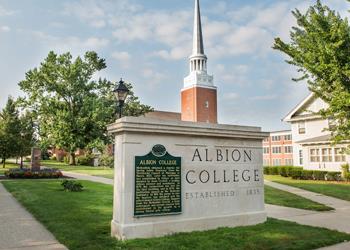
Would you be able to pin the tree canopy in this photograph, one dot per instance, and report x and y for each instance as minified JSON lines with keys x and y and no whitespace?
{"x":72,"y":109}
{"x":320,"y":49}
{"x":16,"y":132}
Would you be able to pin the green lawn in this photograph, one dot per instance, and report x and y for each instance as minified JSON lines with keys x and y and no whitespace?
{"x":338,"y":190}
{"x":82,"y":221}
{"x":96,"y":171}
{"x":275,"y":196}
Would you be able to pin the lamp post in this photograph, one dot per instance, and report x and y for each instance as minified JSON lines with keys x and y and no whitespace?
{"x":121,"y":92}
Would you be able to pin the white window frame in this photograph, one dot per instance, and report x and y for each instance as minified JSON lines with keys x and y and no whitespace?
{"x":315,"y":154}
{"x":302,"y":128}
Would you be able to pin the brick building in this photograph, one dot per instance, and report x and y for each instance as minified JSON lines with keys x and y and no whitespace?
{"x":278,"y":149}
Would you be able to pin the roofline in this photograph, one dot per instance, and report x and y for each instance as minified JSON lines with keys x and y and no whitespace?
{"x":281,"y":131}
{"x":289,"y":116}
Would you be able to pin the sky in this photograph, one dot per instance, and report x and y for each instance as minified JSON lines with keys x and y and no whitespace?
{"x":148,"y":42}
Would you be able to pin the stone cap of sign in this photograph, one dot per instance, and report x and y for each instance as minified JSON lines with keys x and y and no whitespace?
{"x":152,"y":125}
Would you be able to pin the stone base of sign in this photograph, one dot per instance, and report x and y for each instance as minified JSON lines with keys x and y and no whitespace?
{"x":222,"y":182}
{"x":157,"y":229}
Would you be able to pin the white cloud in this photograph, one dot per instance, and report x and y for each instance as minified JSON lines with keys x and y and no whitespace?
{"x":154,"y":77}
{"x":5,"y":28}
{"x":231,"y":96}
{"x":263,"y":98}
{"x":70,"y":43}
{"x":163,"y":27}
{"x":98,"y":13}
{"x":123,"y":58}
{"x":5,"y":12}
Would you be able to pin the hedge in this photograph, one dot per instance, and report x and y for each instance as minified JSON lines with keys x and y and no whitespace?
{"x":25,"y":173}
{"x":299,"y":173}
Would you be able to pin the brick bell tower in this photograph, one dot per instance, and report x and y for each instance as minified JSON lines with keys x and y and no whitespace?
{"x":199,"y":95}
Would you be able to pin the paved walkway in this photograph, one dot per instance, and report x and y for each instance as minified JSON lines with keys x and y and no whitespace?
{"x":20,"y":230}
{"x":339,"y":219}
{"x":87,"y":177}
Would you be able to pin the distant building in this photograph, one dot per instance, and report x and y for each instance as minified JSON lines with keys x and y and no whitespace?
{"x":278,"y":149}
{"x":164,"y":115}
{"x":312,"y":148}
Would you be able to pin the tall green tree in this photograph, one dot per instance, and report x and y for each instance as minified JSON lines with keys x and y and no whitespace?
{"x":72,"y":109}
{"x":320,"y":49}
{"x":9,"y":131}
{"x":26,"y":139}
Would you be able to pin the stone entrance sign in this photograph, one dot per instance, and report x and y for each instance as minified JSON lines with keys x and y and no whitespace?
{"x":35,"y":159}
{"x":174,"y":176}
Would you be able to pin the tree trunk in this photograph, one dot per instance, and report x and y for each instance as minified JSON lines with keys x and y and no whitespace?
{"x":3,"y":162}
{"x":21,"y":162}
{"x":72,"y":159}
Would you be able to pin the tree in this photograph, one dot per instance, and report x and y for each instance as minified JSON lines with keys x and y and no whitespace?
{"x":320,"y":49}
{"x":9,"y":131}
{"x":26,"y":139}
{"x":72,"y":109}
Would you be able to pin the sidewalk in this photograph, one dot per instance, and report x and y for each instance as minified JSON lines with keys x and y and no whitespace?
{"x":87,"y":177}
{"x":20,"y":230}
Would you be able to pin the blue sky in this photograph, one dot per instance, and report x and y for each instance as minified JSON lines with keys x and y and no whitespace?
{"x":147,"y":42}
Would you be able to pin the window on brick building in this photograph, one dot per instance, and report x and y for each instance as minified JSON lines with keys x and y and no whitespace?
{"x":206,"y":104}
{"x":288,"y":162}
{"x":266,"y":150}
{"x":288,"y":149}
{"x":276,"y":150}
{"x":288,"y":137}
{"x":276,"y":138}
{"x":277,"y":162}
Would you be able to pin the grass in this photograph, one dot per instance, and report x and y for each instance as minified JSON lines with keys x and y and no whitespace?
{"x":82,"y":221}
{"x":7,"y":167}
{"x":275,"y":196}
{"x":95,"y":171}
{"x":335,"y":189}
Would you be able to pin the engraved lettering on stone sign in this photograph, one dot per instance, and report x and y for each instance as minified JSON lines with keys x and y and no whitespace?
{"x":157,"y":183}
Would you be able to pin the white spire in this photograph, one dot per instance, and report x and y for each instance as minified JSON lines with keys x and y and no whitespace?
{"x":198,"y":46}
{"x":198,"y":60}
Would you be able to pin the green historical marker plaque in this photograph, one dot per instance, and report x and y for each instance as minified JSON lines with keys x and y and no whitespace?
{"x":157,"y":183}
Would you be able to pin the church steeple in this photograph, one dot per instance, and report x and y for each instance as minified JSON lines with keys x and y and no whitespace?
{"x":199,"y":95}
{"x":198,"y":46}
{"x":198,"y":60}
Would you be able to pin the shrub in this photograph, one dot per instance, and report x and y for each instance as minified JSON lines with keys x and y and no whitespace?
{"x":296,"y":173}
{"x":283,"y":171}
{"x":25,"y":173}
{"x":307,"y":175}
{"x":347,"y":177}
{"x":86,"y":160}
{"x":345,"y":169}
{"x":267,"y":170}
{"x":320,"y":175}
{"x":108,"y":161}
{"x":333,"y":176}
{"x":72,"y":186}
